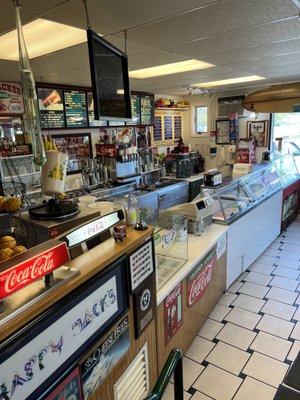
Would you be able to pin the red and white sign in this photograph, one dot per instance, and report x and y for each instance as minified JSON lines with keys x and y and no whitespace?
{"x":21,"y":275}
{"x":11,"y":100}
{"x":106,"y":150}
{"x":198,"y":280}
{"x":173,"y":312}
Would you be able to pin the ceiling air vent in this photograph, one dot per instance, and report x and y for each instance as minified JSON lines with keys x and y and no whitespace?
{"x":134,"y":383}
{"x":231,"y":104}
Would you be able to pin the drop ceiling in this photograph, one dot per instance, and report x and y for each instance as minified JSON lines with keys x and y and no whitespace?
{"x":240,"y":37}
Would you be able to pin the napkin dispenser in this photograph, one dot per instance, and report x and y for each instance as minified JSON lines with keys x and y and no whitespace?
{"x":212,"y":178}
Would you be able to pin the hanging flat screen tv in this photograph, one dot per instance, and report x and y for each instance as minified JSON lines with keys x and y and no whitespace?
{"x":110,"y":80}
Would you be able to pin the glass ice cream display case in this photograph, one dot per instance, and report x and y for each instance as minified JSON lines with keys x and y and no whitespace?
{"x":287,"y":169}
{"x":171,"y":246}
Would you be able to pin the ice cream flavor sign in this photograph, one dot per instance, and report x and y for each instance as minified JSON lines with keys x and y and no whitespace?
{"x":40,"y":353}
{"x":11,"y":101}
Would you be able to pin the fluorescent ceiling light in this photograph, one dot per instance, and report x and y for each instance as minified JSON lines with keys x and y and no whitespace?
{"x":229,"y":81}
{"x":41,"y":37}
{"x":168,"y":69}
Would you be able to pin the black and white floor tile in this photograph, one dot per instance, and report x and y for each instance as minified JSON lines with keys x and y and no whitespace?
{"x":252,"y":336}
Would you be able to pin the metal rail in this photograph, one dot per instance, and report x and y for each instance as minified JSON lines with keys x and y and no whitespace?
{"x":173,"y":364}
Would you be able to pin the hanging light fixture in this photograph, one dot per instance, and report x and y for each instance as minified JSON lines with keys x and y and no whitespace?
{"x":32,"y":115}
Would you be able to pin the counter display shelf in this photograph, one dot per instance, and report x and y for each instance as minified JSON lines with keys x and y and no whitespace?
{"x":171,"y":246}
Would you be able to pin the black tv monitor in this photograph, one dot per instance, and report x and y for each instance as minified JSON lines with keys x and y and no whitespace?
{"x":110,"y":80}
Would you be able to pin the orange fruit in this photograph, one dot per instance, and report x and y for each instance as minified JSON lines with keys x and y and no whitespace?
{"x":5,"y":254}
{"x":19,"y":249}
{"x":7,"y":242}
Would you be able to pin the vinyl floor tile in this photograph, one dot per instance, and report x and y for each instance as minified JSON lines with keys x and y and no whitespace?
{"x":294,"y":351}
{"x":219,"y":312}
{"x":236,"y":336}
{"x":210,"y":329}
{"x":278,"y":309}
{"x":284,"y":262}
{"x":290,"y":255}
{"x":287,"y":272}
{"x":199,"y":349}
{"x":235,"y":287}
{"x":258,"y":278}
{"x":243,"y":318}
{"x":291,"y":246}
{"x":200,"y":396}
{"x":265,"y":369}
{"x":252,"y":289}
{"x":249,"y":303}
{"x":296,"y":332}
{"x":270,"y":260}
{"x":252,"y":389}
{"x":271,"y":346}
{"x":271,"y":252}
{"x":191,"y":371}
{"x":262,"y":268}
{"x":228,"y":358}
{"x":275,"y":326}
{"x":227,"y":385}
{"x":169,"y":393}
{"x":227,"y":299}
{"x":284,"y":283}
{"x":296,"y":316}
{"x":285,"y":296}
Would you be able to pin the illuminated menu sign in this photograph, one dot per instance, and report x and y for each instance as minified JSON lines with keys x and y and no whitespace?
{"x":92,"y":120}
{"x":76,"y":108}
{"x":147,"y":110}
{"x":51,"y":108}
{"x":135,"y":109}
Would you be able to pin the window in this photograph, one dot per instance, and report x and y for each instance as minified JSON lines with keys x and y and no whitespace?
{"x":286,"y":133}
{"x":200,"y":119}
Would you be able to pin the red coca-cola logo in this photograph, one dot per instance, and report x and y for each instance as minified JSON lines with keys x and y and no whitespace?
{"x":199,"y":284}
{"x":96,"y":228}
{"x":29,"y":271}
{"x":173,"y":295}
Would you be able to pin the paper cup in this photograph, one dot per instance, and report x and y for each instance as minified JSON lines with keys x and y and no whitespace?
{"x":54,"y":172}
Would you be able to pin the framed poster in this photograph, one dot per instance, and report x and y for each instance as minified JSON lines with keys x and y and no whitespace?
{"x":173,"y":312}
{"x":222,"y":131}
{"x":258,"y":130}
{"x":51,"y":106}
{"x":103,"y":356}
{"x":69,"y":388}
{"x":39,"y":354}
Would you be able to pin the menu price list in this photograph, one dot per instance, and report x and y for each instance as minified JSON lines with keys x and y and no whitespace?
{"x":157,"y":129}
{"x":76,"y":108}
{"x":168,"y":127}
{"x":51,"y":108}
{"x":147,"y":110}
{"x":135,"y":110}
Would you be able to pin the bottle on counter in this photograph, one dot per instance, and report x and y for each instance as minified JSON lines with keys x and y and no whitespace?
{"x":130,"y":210}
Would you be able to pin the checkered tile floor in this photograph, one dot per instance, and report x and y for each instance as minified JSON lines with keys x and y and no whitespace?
{"x":252,"y":336}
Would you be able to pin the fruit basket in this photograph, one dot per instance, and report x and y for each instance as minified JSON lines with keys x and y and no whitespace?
{"x":14,"y":196}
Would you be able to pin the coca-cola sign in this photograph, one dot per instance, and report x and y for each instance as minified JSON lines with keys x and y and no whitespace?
{"x":198,"y":280}
{"x":20,"y":275}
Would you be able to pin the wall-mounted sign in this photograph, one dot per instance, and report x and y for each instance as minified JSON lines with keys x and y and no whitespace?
{"x":173,"y":312}
{"x":76,"y":108}
{"x":69,"y":388}
{"x":35,"y":360}
{"x":21,"y":275}
{"x":95,"y":366}
{"x":51,"y":107}
{"x":11,"y":101}
{"x":141,"y":264}
{"x":198,"y":280}
{"x":147,"y":110}
{"x":144,"y":306}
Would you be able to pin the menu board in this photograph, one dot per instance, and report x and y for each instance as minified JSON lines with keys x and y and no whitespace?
{"x":76,"y":108}
{"x":147,"y":110}
{"x":168,"y":127}
{"x":135,"y":110}
{"x":92,"y":120}
{"x":51,"y":108}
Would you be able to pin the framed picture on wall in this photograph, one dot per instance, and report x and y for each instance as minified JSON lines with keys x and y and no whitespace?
{"x":69,"y":388}
{"x":222,"y":131}
{"x":259,"y":131}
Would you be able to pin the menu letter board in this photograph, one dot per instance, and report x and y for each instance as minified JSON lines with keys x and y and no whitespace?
{"x":76,"y":108}
{"x":92,"y":120}
{"x":51,"y":108}
{"x":135,"y":110}
{"x":147,"y":110}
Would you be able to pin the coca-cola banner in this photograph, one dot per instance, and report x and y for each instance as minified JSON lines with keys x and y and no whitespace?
{"x":20,"y":275}
{"x":173,"y":312}
{"x":198,"y":280}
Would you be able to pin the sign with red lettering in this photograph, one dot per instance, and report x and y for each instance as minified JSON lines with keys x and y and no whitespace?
{"x":198,"y":280}
{"x":21,"y":275}
{"x":173,"y":312}
{"x":11,"y":101}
